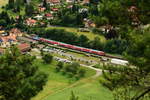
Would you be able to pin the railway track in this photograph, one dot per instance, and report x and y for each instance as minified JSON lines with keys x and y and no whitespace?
{"x":84,"y":50}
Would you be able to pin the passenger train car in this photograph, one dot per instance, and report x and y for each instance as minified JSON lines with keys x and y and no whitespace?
{"x":78,"y":48}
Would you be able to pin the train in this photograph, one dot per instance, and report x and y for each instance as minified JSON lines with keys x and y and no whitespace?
{"x":69,"y":46}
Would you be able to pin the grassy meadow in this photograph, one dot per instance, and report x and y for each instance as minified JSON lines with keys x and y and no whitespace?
{"x":90,"y":35}
{"x":60,"y":86}
{"x":3,"y":2}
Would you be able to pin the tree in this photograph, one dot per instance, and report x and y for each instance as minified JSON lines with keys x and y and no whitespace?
{"x":133,"y":79}
{"x":111,"y":34}
{"x":18,"y":8}
{"x":99,"y":21}
{"x":96,"y":44}
{"x":47,"y":6}
{"x":45,"y":3}
{"x":114,"y":11}
{"x":73,"y":97}
{"x":4,"y":15}
{"x":11,"y":4}
{"x":59,"y":66}
{"x":94,"y":1}
{"x":20,"y":79}
{"x":29,"y":9}
{"x":81,"y":72}
{"x":3,"y":22}
{"x":93,"y":9}
{"x":83,"y":40}
{"x":19,"y":2}
{"x":116,"y":46}
{"x":72,"y":68}
{"x":47,"y":58}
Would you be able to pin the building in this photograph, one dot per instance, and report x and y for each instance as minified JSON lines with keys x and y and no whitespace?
{"x":39,"y":17}
{"x":70,"y":1}
{"x":85,"y":2}
{"x":54,"y":9}
{"x":42,"y":9}
{"x":49,"y":16}
{"x":88,"y":23}
{"x":6,"y":39}
{"x":24,"y":47}
{"x":15,"y":32}
{"x":53,"y":2}
{"x":31,"y":22}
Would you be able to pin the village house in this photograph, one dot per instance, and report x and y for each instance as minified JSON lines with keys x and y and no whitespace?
{"x":31,"y":22}
{"x":84,"y":2}
{"x":41,"y":9}
{"x":39,"y":17}
{"x":88,"y":23}
{"x":69,"y":6}
{"x":134,"y":15}
{"x":24,"y":47}
{"x":16,"y":32}
{"x":53,"y":2}
{"x":70,"y":1}
{"x":49,"y":16}
{"x":54,"y":9}
{"x":6,"y":39}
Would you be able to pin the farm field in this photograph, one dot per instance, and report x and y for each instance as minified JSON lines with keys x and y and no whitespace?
{"x":2,"y":3}
{"x":60,"y":86}
{"x":90,"y":35}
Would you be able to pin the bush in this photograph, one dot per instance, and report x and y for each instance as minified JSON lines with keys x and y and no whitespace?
{"x":47,"y":58}
{"x":71,"y":70}
{"x":81,"y":73}
{"x":97,"y":31}
{"x":117,"y":46}
{"x":59,"y":66}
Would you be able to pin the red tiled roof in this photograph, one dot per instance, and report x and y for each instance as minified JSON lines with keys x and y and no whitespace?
{"x":10,"y":37}
{"x":30,"y":21}
{"x":15,"y":31}
{"x":55,"y":9}
{"x":48,"y":15}
{"x":42,"y":9}
{"x":24,"y":47}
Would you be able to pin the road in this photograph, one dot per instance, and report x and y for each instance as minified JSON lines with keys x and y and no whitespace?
{"x":98,"y":71}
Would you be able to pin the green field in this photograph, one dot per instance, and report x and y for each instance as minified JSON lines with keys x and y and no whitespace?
{"x":90,"y":35}
{"x":59,"y":86}
{"x":3,"y":2}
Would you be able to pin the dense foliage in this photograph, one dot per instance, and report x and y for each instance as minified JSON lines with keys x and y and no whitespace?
{"x":132,"y":83}
{"x":47,"y":58}
{"x":73,"y":70}
{"x":20,"y":79}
